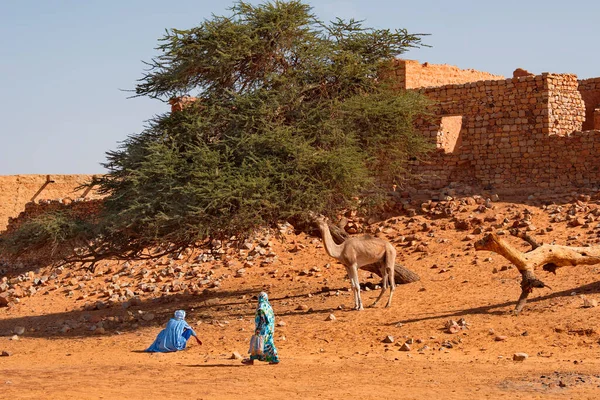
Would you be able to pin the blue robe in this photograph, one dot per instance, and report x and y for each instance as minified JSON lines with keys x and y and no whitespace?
{"x":174,"y":337}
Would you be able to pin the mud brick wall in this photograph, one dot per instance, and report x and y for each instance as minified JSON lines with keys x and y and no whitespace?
{"x":411,"y":74}
{"x":590,"y":92}
{"x":516,"y":133}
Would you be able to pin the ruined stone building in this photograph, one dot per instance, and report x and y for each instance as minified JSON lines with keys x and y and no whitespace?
{"x":528,"y":132}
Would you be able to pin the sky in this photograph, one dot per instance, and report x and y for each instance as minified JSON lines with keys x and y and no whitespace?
{"x":66,"y":65}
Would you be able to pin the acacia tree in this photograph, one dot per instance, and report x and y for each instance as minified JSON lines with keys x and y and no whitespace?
{"x":292,"y":115}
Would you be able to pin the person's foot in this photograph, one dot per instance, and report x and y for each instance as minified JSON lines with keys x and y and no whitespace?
{"x":247,"y":361}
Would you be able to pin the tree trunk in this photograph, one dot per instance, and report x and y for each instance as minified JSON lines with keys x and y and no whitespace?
{"x":549,"y":257}
{"x":402,"y":275}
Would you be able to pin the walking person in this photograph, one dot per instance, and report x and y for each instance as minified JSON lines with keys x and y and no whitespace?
{"x":264,"y":320}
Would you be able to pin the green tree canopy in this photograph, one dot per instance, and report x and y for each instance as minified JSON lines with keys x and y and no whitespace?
{"x":292,"y":115}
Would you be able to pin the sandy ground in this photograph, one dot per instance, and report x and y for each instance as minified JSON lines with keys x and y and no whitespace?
{"x":344,"y":358}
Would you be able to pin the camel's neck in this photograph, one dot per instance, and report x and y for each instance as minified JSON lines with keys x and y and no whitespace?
{"x":333,"y":249}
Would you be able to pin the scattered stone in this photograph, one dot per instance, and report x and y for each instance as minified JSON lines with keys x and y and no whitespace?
{"x":388,"y":339}
{"x":14,"y":337}
{"x":281,"y":323}
{"x":302,"y":307}
{"x":405,"y":347}
{"x":330,"y":317}
{"x":4,"y":300}
{"x":5,"y":353}
{"x":148,"y":317}
{"x":501,"y":338}
{"x":589,"y":303}
{"x":520,"y":356}
{"x":236,"y":356}
{"x":19,"y":330}
{"x":452,"y":326}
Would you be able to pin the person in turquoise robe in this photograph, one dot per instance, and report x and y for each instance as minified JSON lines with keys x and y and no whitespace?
{"x":264,"y":321}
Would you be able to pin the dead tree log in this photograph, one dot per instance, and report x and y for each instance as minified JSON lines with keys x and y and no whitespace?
{"x":549,"y":257}
{"x":402,"y":275}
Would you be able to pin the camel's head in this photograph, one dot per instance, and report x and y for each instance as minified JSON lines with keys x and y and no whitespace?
{"x":317,"y":219}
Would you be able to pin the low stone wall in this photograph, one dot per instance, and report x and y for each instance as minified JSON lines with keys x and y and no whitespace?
{"x":83,"y":209}
{"x":18,"y":190}
{"x":411,"y":74}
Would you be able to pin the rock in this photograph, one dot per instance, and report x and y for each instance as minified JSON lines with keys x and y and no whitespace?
{"x":4,"y":300}
{"x":576,"y":222}
{"x":19,"y":330}
{"x":148,"y":317}
{"x":589,"y":303}
{"x":501,"y":338}
{"x":302,"y":307}
{"x":388,"y":339}
{"x":5,"y":353}
{"x":405,"y":347}
{"x":281,"y":323}
{"x":520,"y":356}
{"x":14,"y":337}
{"x":236,"y":356}
{"x":330,"y":317}
{"x":520,"y":72}
{"x":452,"y":326}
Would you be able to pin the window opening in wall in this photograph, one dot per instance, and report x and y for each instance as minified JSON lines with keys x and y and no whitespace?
{"x":449,"y":134}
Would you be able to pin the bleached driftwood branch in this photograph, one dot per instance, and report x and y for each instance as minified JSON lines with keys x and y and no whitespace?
{"x":549,"y":257}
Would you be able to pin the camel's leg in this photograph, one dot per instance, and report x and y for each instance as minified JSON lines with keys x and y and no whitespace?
{"x":353,"y":271}
{"x":390,"y":261}
{"x":351,"y":277}
{"x":384,"y":285}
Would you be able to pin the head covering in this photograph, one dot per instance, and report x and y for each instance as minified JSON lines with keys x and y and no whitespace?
{"x":179,"y":314}
{"x":262,"y":296}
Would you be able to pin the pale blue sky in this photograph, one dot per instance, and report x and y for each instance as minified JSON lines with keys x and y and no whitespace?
{"x":63,"y":62}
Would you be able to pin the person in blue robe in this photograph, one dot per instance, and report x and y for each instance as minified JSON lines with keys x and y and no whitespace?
{"x":175,"y":336}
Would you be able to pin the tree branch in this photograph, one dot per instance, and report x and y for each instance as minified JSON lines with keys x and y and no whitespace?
{"x":544,"y":255}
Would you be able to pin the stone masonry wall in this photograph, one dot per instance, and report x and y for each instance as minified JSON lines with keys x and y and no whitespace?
{"x":18,"y":190}
{"x":516,"y":133}
{"x":590,"y":92}
{"x":84,"y":209}
{"x":411,"y":74}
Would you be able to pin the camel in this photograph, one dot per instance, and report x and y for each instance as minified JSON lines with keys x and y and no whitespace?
{"x":360,"y":251}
